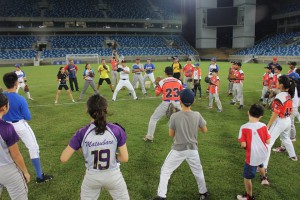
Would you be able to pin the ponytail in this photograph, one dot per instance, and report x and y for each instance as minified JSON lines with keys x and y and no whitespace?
{"x":97,"y":109}
{"x":288,"y":84}
{"x":86,"y":65}
{"x":59,"y":70}
{"x":292,"y":88}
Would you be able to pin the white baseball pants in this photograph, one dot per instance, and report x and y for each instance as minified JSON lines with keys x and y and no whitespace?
{"x":136,"y":78}
{"x":217,"y":100}
{"x":111,"y":180}
{"x":238,"y":93}
{"x":124,"y":83}
{"x":159,"y":112}
{"x":27,"y":136}
{"x":22,"y":86}
{"x":151,"y":77}
{"x":173,"y":161}
{"x":281,"y":127}
{"x":263,"y":93}
{"x":11,"y":177}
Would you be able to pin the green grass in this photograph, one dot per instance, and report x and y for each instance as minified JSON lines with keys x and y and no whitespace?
{"x":220,"y":154}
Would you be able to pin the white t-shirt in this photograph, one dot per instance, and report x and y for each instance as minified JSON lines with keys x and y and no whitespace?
{"x":21,"y":75}
{"x":255,"y":135}
{"x":122,"y":74}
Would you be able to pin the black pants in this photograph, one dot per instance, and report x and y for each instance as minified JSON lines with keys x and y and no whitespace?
{"x":71,"y":83}
{"x":176,"y":75}
{"x":197,"y":86}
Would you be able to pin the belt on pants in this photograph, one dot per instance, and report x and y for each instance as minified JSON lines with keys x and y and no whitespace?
{"x":171,"y":100}
{"x":15,"y":121}
{"x":124,"y":79}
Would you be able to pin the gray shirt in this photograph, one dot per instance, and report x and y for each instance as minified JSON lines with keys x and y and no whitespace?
{"x":186,"y":125}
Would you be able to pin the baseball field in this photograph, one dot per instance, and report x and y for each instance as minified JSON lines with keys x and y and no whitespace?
{"x":220,"y":153}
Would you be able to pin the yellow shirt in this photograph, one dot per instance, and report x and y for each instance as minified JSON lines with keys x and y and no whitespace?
{"x":103,"y":72}
{"x":176,"y":67}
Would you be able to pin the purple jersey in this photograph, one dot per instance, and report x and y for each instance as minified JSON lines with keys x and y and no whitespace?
{"x":99,"y":150}
{"x":8,"y":137}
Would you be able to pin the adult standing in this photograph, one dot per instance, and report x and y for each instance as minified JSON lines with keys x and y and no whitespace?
{"x":170,"y":88}
{"x":88,"y":76}
{"x":138,"y":69}
{"x":14,"y":175}
{"x":72,"y":69}
{"x":124,"y":81}
{"x":18,"y":115}
{"x":114,"y":66}
{"x":22,"y":81}
{"x":149,"y":68}
{"x":273,"y":64}
{"x":177,"y":68}
{"x":104,"y":70}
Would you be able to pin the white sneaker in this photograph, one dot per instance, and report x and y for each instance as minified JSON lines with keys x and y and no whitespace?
{"x":293,"y":139}
{"x":294,"y":158}
{"x":73,"y":100}
{"x":31,"y":98}
{"x":55,"y":102}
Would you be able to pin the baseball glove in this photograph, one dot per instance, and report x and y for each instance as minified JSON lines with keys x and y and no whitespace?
{"x":1,"y":90}
{"x":26,"y":88}
{"x":91,"y":74}
{"x":159,"y":78}
{"x":171,"y":109}
{"x":105,"y":67}
{"x":119,"y":69}
{"x":207,"y":79}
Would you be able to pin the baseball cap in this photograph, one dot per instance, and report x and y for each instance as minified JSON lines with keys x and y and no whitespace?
{"x":278,"y":67}
{"x":294,"y":76}
{"x":275,"y":58}
{"x":292,"y":63}
{"x":123,"y":61}
{"x":175,"y":57}
{"x":17,"y":65}
{"x":187,"y":97}
{"x":238,"y":63}
{"x":268,"y":67}
{"x":214,"y":59}
{"x":214,"y":70}
{"x":169,"y":70}
{"x":197,"y":64}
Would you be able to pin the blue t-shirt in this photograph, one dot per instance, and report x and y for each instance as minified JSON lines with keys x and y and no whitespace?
{"x":147,"y":68}
{"x":18,"y":108}
{"x":72,"y":71}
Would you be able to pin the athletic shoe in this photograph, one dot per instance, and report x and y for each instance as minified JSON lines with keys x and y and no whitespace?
{"x":204,"y":196}
{"x":260,"y":99}
{"x":112,"y":90}
{"x":136,"y":99}
{"x":279,"y":149}
{"x":56,"y":102}
{"x":229,"y":94}
{"x":31,"y":99}
{"x":264,"y":180}
{"x":294,"y":158}
{"x":240,"y":107}
{"x":129,"y":94}
{"x":73,"y":100}
{"x":232,"y":103}
{"x":113,"y":100}
{"x":157,"y":198}
{"x":45,"y":178}
{"x":293,"y":139}
{"x":209,"y":107}
{"x":219,"y":110}
{"x":147,"y":139}
{"x":244,"y":197}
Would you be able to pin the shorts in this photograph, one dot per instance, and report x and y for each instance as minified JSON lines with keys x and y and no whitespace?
{"x":250,"y":171}
{"x":176,"y":75}
{"x":104,"y":79}
{"x":60,"y":87}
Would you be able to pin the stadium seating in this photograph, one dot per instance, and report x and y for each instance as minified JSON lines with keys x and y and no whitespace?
{"x":276,"y":45}
{"x":76,"y":41}
{"x":16,"y":8}
{"x":17,"y":54}
{"x":291,"y":7}
{"x":16,"y":42}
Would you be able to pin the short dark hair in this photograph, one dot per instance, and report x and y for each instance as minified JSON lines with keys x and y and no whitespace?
{"x":3,"y":100}
{"x":256,"y":110}
{"x":10,"y":79}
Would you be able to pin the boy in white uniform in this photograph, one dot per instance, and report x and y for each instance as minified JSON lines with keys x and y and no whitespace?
{"x":22,"y":81}
{"x":183,"y":128}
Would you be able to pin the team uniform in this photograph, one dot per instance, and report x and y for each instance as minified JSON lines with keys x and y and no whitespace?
{"x":63,"y":81}
{"x":214,"y":92}
{"x":266,"y":81}
{"x":282,"y":105}
{"x":21,"y":82}
{"x":238,"y":87}
{"x":149,"y":67}
{"x":72,"y":70}
{"x":188,"y":71}
{"x":18,"y":115}
{"x":102,"y":169}
{"x":211,"y":67}
{"x":230,"y":82}
{"x":184,"y":148}
{"x":11,"y":177}
{"x":124,"y":82}
{"x":170,"y":88}
{"x":138,"y":77}
{"x":114,"y":73}
{"x":176,"y":69}
{"x":88,"y":76}
{"x":197,"y":81}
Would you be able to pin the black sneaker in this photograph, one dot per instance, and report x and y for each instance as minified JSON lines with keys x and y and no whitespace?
{"x":232,"y":103}
{"x":204,"y":196}
{"x":240,"y":107}
{"x":157,"y":198}
{"x":45,"y":178}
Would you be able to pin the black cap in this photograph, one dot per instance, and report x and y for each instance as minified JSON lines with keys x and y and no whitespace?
{"x":237,"y":63}
{"x":292,"y":63}
{"x":268,"y":67}
{"x":278,"y":67}
{"x":169,"y":70}
{"x":214,"y":70}
{"x":189,"y":59}
{"x":187,"y":97}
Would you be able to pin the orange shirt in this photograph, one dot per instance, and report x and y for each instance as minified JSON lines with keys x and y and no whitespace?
{"x":170,"y":88}
{"x":267,"y":79}
{"x":274,"y":81}
{"x":214,"y":85}
{"x":282,"y":105}
{"x":197,"y":73}
{"x":188,"y":70}
{"x":239,"y":74}
{"x":113,"y":63}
